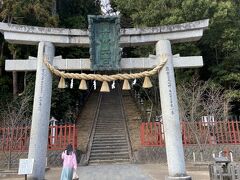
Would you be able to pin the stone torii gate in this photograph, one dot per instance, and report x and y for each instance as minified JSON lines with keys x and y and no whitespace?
{"x":48,"y":38}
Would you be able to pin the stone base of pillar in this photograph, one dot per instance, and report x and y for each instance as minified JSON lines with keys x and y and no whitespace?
{"x":178,"y":178}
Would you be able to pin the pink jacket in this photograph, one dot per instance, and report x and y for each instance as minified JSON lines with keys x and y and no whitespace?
{"x":69,"y":160}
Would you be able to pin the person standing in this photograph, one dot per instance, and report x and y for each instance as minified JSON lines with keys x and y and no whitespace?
{"x":69,"y":163}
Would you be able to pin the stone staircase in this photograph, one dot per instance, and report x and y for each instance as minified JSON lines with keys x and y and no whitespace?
{"x":110,"y":143}
{"x":85,"y":121}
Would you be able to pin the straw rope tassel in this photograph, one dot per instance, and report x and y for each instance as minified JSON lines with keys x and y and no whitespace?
{"x":61,"y":83}
{"x":83,"y":85}
{"x":126,"y":85}
{"x":147,"y":82}
{"x":105,"y":87}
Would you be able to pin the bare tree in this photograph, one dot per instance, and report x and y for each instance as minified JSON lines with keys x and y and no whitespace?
{"x":215,"y":102}
{"x":197,"y":99}
{"x":15,"y":116}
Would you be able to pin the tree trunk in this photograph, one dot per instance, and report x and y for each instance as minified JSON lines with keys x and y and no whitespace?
{"x":15,"y":77}
{"x":1,"y":67}
{"x":1,"y":59}
{"x":9,"y":158}
{"x":25,"y":81}
{"x":1,"y":71}
{"x":225,"y":108}
{"x":54,"y":7}
{"x":15,"y":88}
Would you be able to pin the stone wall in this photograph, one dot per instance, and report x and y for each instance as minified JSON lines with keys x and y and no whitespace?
{"x":142,"y":155}
{"x":53,"y":158}
{"x":158,"y":154}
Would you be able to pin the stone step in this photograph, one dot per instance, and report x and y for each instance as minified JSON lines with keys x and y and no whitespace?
{"x":107,"y":133}
{"x":117,"y":126}
{"x":109,"y":147}
{"x":110,"y":124}
{"x":110,"y":121}
{"x":109,"y":128}
{"x":114,"y":118}
{"x":102,"y":135}
{"x":125,"y":149}
{"x":111,"y":103}
{"x":117,"y":161}
{"x":107,"y":136}
{"x":110,"y":131}
{"x":109,"y":144}
{"x":106,"y":154}
{"x":118,"y":136}
{"x":112,"y":111}
{"x":109,"y":115}
{"x":103,"y":122}
{"x":109,"y":141}
{"x":109,"y":157}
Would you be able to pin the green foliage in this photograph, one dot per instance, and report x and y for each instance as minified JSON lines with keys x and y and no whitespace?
{"x":66,"y":101}
{"x":37,"y":13}
{"x":219,"y":45}
{"x":73,"y":13}
{"x":70,"y":14}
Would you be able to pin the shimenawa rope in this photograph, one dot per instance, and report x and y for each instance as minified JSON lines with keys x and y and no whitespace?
{"x":107,"y":78}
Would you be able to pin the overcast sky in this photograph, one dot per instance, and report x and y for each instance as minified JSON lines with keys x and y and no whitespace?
{"x":105,"y":6}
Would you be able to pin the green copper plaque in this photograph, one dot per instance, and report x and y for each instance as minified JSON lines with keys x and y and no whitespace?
{"x":104,"y":35}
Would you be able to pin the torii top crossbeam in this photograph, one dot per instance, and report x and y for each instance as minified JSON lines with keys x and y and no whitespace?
{"x":22,"y":34}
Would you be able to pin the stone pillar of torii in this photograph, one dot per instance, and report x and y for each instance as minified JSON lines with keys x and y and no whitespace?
{"x":48,"y":38}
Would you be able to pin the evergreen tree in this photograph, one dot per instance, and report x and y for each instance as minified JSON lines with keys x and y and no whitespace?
{"x":219,"y":45}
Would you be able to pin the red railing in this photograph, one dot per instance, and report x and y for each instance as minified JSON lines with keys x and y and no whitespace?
{"x":60,"y":136}
{"x":152,"y":134}
{"x":219,"y":132}
{"x":17,"y":138}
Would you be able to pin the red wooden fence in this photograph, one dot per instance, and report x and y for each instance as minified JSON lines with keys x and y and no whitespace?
{"x":152,"y":134}
{"x":219,"y":132}
{"x":17,"y":139}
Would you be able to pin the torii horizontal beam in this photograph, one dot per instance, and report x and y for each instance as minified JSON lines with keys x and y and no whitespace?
{"x":84,"y":64}
{"x":32,"y":35}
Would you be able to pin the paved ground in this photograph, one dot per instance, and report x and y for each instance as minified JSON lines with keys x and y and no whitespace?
{"x":122,"y":172}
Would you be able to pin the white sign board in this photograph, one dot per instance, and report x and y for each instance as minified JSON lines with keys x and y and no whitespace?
{"x":25,"y":166}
